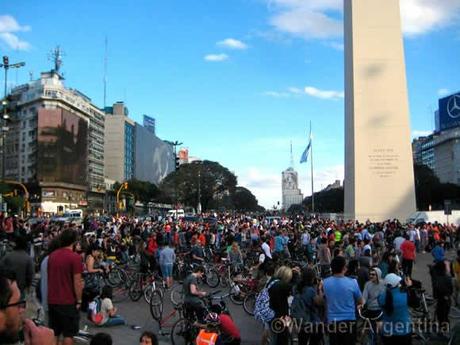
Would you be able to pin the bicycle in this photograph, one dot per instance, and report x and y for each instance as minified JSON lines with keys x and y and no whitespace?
{"x":185,"y":331}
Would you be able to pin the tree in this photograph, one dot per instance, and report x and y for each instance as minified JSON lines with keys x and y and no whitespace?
{"x":244,"y":200}
{"x":209,"y":181}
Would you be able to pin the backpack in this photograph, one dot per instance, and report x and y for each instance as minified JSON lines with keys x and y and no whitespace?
{"x":299,"y":309}
{"x":262,"y":310}
{"x":94,"y":311}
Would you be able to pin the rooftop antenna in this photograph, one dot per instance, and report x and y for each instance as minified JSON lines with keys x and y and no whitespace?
{"x":31,"y":75}
{"x":56,"y":56}
{"x":105,"y":71}
{"x":292,"y":157}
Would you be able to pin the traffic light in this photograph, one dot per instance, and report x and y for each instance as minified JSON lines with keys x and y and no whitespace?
{"x":6,"y":61}
{"x":177,"y":161}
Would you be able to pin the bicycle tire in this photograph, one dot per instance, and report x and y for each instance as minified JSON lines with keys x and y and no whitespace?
{"x":135,"y":291}
{"x":148,"y":292}
{"x":119,"y":294}
{"x":177,"y":295}
{"x":212,"y":278}
{"x":183,"y":333}
{"x":249,"y":303}
{"x":156,"y":305}
{"x":115,"y":277}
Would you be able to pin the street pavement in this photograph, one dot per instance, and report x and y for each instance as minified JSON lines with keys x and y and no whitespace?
{"x":137,"y":313}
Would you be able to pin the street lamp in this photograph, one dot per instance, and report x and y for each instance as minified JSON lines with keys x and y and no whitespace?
{"x":175,"y":144}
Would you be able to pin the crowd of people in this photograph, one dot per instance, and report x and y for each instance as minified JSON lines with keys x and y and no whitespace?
{"x":314,"y":270}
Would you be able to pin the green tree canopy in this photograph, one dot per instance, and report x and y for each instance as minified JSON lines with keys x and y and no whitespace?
{"x":214,"y":183}
{"x":245,"y":201}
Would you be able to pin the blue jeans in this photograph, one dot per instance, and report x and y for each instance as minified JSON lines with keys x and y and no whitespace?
{"x":115,"y":320}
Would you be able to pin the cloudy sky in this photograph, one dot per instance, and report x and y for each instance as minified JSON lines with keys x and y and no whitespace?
{"x":235,"y":80}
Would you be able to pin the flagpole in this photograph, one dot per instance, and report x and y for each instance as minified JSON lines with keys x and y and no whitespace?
{"x":311,"y":162}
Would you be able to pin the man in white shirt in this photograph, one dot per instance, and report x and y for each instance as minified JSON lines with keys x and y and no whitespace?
{"x":266,"y":248}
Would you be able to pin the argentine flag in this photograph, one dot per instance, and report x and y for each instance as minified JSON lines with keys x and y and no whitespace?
{"x":304,"y":157}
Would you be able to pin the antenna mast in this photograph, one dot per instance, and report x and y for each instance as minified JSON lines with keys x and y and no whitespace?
{"x":105,"y":72}
{"x":292,"y":157}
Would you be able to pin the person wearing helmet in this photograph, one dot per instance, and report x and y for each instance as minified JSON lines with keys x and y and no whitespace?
{"x":209,"y":335}
{"x":396,"y":328}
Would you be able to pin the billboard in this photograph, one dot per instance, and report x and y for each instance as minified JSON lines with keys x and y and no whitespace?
{"x":183,"y":155}
{"x":449,"y":112}
{"x":62,"y":147}
{"x":154,"y":158}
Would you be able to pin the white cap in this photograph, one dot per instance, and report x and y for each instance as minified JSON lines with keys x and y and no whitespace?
{"x":392,"y":280}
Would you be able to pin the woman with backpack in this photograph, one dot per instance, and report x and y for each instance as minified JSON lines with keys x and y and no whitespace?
{"x":396,"y":327}
{"x":304,"y":308}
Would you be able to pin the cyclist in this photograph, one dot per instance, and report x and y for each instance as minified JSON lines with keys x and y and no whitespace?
{"x":192,"y":295}
{"x":210,"y":334}
{"x":229,"y":330}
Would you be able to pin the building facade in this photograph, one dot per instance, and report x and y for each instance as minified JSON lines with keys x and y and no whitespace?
{"x":120,"y":141}
{"x":154,"y":157}
{"x":291,"y":193}
{"x":440,"y":150}
{"x":149,"y":123}
{"x":55,"y":145}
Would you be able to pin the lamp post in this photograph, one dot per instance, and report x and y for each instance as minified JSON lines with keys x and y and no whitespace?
{"x":6,"y":66}
{"x":174,"y":144}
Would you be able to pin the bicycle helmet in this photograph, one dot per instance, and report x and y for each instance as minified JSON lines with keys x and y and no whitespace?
{"x":212,"y":318}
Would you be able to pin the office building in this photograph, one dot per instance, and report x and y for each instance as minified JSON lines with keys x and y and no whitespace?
{"x":120,"y":141}
{"x":291,"y":193}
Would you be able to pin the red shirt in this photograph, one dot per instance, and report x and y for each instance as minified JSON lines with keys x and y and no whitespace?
{"x":228,"y":326}
{"x":62,"y":265}
{"x":408,"y":250}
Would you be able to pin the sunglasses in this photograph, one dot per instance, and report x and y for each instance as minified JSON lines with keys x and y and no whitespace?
{"x":19,"y":304}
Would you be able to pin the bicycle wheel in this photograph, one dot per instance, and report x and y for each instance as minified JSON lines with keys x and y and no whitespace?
{"x":149,"y":290}
{"x":212,"y":278}
{"x":183,"y":333}
{"x":156,"y":305}
{"x":116,"y":277}
{"x":249,"y":303}
{"x":236,"y":295}
{"x":177,"y":295}
{"x":135,"y":291}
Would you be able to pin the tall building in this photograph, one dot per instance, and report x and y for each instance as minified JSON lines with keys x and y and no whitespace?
{"x":149,"y":123}
{"x":55,"y":145}
{"x":120,"y":142}
{"x":154,"y":157}
{"x":290,"y":191}
{"x":440,"y":150}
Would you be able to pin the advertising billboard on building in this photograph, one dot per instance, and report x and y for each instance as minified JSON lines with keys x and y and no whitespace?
{"x":154,"y":158}
{"x":449,"y":111}
{"x":62,"y":147}
{"x":183,"y":155}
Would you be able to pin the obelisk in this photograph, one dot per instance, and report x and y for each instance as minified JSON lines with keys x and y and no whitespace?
{"x":379,"y":175}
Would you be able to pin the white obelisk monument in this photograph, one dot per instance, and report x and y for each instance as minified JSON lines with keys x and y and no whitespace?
{"x":379,"y":176}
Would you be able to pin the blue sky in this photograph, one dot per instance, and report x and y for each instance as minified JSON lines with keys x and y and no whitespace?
{"x":234,"y":80}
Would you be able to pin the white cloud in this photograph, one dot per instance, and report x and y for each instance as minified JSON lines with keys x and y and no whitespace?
{"x":8,"y":27}
{"x":336,"y":45}
{"x":216,"y":57}
{"x":443,"y":92}
{"x":421,"y":16}
{"x":308,"y":90}
{"x":318,"y":19}
{"x":232,"y":43}
{"x":420,"y":133}
{"x":323,"y":94}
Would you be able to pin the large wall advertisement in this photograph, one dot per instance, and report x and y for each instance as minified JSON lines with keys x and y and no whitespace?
{"x":62,"y":147}
{"x":154,"y":158}
{"x":449,"y":111}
